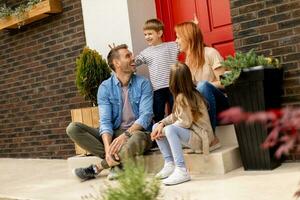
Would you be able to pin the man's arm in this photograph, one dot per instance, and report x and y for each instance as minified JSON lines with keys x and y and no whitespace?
{"x":145,"y":107}
{"x":106,"y":126}
{"x":105,"y":111}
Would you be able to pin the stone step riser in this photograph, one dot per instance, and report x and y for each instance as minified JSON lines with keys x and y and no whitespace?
{"x":220,"y":161}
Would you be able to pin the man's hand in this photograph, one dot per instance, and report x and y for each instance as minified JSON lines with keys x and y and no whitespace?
{"x":157,"y":132}
{"x":116,"y":145}
{"x":110,"y":161}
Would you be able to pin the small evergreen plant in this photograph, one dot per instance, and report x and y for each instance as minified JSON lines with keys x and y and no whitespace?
{"x":134,"y":185}
{"x":241,"y":61}
{"x":91,"y":71}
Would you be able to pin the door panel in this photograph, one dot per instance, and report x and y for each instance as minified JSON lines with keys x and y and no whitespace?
{"x":213,"y":16}
{"x":220,"y":13}
{"x":186,"y":9}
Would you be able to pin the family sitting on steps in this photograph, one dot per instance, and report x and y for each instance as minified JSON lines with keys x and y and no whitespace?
{"x":128,"y":101}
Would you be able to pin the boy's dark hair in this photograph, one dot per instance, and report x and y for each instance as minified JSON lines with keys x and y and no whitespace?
{"x":114,"y":54}
{"x":154,"y":24}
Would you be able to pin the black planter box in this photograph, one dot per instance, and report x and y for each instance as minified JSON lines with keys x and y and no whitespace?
{"x":256,"y":89}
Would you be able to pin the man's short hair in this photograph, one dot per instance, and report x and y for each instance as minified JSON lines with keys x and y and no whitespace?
{"x":114,"y":54}
{"x":154,"y":24}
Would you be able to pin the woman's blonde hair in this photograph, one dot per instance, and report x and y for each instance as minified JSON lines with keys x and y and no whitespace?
{"x":181,"y":83}
{"x":191,"y":34}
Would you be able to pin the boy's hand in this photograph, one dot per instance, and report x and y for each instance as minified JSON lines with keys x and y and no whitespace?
{"x":113,"y":45}
{"x":195,"y":20}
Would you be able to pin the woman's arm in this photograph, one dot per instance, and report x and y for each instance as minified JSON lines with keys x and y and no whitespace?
{"x":218,"y":72}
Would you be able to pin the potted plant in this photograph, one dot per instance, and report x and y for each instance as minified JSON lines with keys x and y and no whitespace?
{"x":91,"y":71}
{"x":255,"y":84}
{"x":28,"y":12}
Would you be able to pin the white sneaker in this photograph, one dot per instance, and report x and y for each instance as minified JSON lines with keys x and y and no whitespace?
{"x":166,"y":171}
{"x":180,"y":175}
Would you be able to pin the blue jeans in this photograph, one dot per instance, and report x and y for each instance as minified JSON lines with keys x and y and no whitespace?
{"x":217,"y":101}
{"x":170,"y":145}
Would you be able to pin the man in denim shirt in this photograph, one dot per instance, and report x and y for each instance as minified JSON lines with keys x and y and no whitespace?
{"x":125,"y":109}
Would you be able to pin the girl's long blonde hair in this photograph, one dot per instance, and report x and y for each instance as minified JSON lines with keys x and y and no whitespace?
{"x":191,"y":34}
{"x":181,"y":83}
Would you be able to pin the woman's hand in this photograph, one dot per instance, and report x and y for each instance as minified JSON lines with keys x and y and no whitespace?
{"x":157,"y":132}
{"x":218,"y":72}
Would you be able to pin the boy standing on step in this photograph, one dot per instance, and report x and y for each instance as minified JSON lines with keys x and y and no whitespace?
{"x":159,"y":57}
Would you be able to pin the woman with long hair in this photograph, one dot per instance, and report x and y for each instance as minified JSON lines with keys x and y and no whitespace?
{"x":188,"y":124}
{"x":205,"y":65}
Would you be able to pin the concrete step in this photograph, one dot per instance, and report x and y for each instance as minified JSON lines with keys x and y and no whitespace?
{"x":220,"y":161}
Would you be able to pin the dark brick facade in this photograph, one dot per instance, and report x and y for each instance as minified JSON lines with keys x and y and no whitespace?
{"x":272,"y":27}
{"x":37,"y":84}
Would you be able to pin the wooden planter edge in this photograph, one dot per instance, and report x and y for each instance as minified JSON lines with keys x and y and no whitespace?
{"x":39,"y":11}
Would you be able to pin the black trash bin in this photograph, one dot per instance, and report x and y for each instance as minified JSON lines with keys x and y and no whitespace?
{"x":257,"y":89}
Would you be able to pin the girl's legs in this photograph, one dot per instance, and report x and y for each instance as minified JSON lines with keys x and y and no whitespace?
{"x":171,"y":149}
{"x":176,"y":136}
{"x":165,"y":149}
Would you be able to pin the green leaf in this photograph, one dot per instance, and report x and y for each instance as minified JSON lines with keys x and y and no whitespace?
{"x":244,"y":60}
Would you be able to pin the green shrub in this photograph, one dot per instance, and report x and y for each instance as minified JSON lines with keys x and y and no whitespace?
{"x":133,"y":185}
{"x":241,"y":61}
{"x":91,"y":71}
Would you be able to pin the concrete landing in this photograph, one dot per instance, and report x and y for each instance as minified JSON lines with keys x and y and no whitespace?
{"x":36,"y":179}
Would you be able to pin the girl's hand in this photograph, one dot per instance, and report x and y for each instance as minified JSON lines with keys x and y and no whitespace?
{"x":157,"y":132}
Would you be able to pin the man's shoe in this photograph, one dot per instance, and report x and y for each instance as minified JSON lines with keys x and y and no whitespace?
{"x":166,"y":171}
{"x":87,"y":173}
{"x":180,"y":175}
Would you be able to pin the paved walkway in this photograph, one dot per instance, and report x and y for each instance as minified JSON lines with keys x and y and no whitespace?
{"x":36,"y":179}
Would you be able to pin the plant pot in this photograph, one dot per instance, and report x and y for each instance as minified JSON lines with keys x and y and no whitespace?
{"x":257,"y":89}
{"x":39,"y":11}
{"x":88,"y":116}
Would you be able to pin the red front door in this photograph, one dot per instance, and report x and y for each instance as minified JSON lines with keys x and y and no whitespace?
{"x":213,"y":16}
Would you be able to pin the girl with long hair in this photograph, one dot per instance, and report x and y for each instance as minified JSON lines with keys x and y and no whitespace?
{"x":188,"y":124}
{"x":205,"y":65}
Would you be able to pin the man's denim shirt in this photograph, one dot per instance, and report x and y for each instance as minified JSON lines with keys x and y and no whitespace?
{"x":110,"y":103}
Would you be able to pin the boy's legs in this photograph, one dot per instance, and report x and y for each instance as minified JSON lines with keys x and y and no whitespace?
{"x":87,"y":138}
{"x":160,"y":97}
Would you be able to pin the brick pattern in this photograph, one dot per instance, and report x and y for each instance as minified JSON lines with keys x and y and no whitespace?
{"x":37,"y":84}
{"x":272,"y":27}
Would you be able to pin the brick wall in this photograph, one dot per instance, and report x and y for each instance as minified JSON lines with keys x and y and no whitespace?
{"x":272,"y":27}
{"x":37,"y":84}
